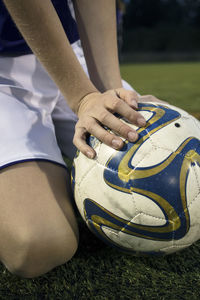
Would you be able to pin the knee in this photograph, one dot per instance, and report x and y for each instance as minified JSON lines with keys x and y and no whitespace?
{"x":33,"y":256}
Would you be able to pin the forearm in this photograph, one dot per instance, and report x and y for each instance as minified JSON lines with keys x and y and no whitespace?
{"x":97,"y":27}
{"x":39,"y":24}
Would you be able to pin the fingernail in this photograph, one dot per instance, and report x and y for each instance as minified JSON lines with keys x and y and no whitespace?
{"x":116,"y":143}
{"x":132,"y":137}
{"x":134,"y":103}
{"x":141,"y":122}
{"x":89,"y":154}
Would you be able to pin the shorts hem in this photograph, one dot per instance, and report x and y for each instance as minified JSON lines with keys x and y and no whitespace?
{"x":11,"y":163}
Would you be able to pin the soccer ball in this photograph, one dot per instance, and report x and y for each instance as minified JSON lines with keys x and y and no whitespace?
{"x":145,"y":198}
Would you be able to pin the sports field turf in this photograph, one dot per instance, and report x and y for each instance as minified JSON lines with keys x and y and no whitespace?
{"x":99,"y":272}
{"x":177,"y":83}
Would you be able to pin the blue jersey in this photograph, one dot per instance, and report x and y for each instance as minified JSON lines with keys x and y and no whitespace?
{"x":11,"y":40}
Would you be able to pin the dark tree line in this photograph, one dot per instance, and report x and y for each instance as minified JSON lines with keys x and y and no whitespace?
{"x":152,"y":13}
{"x":162,"y":25}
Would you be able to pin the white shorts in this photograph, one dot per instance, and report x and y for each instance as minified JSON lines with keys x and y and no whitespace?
{"x":35,"y":120}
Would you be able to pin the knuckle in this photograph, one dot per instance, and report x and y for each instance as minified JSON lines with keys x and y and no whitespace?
{"x":85,"y":123}
{"x":90,"y":125}
{"x":106,"y":138}
{"x":80,"y":123}
{"x":132,"y":115}
{"x":149,"y":97}
{"x":152,"y":97}
{"x":123,"y":129}
{"x":115,"y":104}
{"x":103,"y":116}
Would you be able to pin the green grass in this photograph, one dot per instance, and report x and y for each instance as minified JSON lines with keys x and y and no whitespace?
{"x":177,"y":83}
{"x":100,"y":272}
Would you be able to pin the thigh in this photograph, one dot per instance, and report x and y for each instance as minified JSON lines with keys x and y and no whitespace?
{"x":35,"y":205}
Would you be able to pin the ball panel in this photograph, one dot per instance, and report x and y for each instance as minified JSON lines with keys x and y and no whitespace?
{"x":146,"y":196}
{"x":122,"y":205}
{"x":197,"y":123}
{"x":132,"y":242}
{"x":82,"y":167}
{"x":191,"y":237}
{"x":193,"y":185}
{"x":104,"y":153}
{"x":174,"y":248}
{"x":194,"y":211}
{"x":149,"y":213}
{"x":150,"y":156}
{"x":172,"y":136}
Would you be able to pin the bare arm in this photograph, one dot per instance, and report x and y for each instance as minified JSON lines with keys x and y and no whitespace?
{"x":39,"y":24}
{"x":97,"y":28}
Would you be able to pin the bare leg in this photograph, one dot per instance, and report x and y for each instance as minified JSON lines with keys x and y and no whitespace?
{"x":38,"y":228}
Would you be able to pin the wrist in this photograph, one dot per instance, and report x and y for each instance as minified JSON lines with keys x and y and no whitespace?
{"x":88,"y":97}
{"x":106,"y":80}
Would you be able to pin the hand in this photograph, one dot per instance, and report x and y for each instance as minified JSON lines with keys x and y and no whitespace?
{"x":97,"y":110}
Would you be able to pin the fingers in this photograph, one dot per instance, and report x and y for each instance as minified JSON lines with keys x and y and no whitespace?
{"x":79,"y":141}
{"x":119,"y":127}
{"x":123,"y":109}
{"x":130,"y":97}
{"x":100,"y":133}
{"x":97,"y":111}
{"x":106,"y":137}
{"x":90,"y":125}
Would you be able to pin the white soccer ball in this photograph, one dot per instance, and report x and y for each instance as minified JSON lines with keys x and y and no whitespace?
{"x":145,"y":198}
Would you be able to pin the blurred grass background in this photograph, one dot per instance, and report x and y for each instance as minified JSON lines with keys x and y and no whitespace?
{"x":177,"y":83}
{"x":101,"y":273}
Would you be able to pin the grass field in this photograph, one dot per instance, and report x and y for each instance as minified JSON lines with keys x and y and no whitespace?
{"x":99,"y":272}
{"x":177,"y":83}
